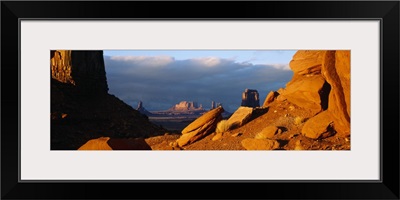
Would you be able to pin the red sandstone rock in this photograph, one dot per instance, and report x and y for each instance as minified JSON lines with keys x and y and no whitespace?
{"x":307,"y":62}
{"x":320,"y":126}
{"x":259,"y":144}
{"x":306,"y":92}
{"x":268,"y":132}
{"x":336,"y":70}
{"x":321,"y":82}
{"x":270,"y":98}
{"x":240,"y":117}
{"x":201,"y":127}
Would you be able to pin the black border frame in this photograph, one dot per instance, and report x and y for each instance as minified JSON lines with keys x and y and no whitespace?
{"x":386,"y":11}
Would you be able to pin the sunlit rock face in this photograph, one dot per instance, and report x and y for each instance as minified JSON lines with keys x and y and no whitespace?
{"x":186,"y":106}
{"x":61,"y":66}
{"x":250,"y":98}
{"x":201,"y":127}
{"x":321,"y":84}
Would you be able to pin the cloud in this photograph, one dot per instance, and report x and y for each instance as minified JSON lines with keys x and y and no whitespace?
{"x":162,"y":81}
{"x":154,"y":61}
{"x":207,"y":61}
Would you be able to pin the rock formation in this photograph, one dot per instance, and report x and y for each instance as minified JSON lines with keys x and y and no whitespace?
{"x":308,"y":88}
{"x":250,"y":98}
{"x":212,"y":105}
{"x":186,"y":106}
{"x":268,"y":132}
{"x":201,"y":127}
{"x":79,"y":94}
{"x":321,"y":83}
{"x":143,"y":110}
{"x":270,"y":98}
{"x":240,"y":117}
{"x":61,"y":66}
{"x":84,"y":69}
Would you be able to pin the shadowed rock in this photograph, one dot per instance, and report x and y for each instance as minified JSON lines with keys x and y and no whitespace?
{"x":250,"y":98}
{"x":128,"y":144}
{"x":106,"y":143}
{"x":82,"y":109}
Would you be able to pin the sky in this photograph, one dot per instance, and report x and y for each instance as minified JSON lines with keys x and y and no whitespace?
{"x":161,"y":79}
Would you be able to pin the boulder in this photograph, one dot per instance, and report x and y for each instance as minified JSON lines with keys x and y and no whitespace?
{"x":202,"y":126}
{"x":320,"y":126}
{"x":308,"y":92}
{"x":202,"y":120}
{"x":96,"y":144}
{"x":240,"y":117}
{"x":270,"y":98}
{"x":257,"y":144}
{"x":268,"y":132}
{"x":204,"y":130}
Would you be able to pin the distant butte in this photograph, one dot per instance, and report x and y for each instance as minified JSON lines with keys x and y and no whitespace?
{"x":143,"y":110}
{"x":250,"y":98}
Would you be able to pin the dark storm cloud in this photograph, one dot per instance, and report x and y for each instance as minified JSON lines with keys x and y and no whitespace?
{"x":161,"y":82}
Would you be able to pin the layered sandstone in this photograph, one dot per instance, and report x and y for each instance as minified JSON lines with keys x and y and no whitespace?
{"x":321,"y":84}
{"x":201,"y":127}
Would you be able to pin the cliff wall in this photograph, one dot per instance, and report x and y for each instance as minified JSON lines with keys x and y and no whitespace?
{"x":82,"y":109}
{"x":321,"y":83}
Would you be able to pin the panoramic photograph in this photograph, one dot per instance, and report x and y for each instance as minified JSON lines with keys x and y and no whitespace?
{"x":200,"y":100}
